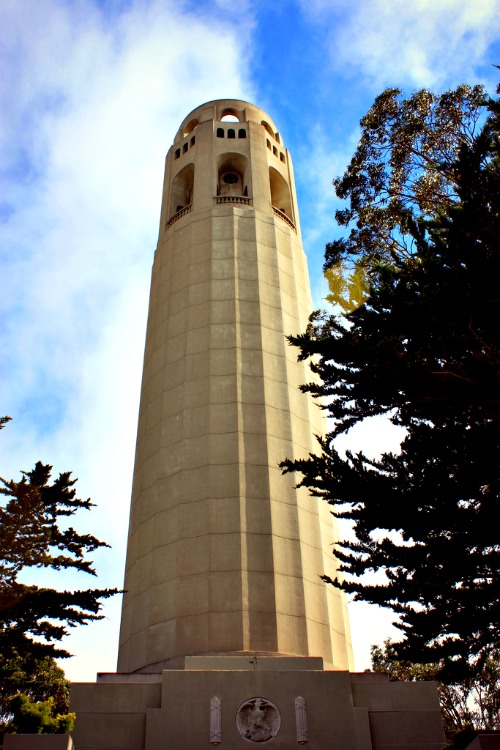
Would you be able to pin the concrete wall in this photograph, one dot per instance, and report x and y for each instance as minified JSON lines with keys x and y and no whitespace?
{"x":343,"y":710}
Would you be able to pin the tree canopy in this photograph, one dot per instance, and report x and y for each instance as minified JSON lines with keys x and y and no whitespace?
{"x":39,"y":680}
{"x":474,"y":702}
{"x":34,"y":533}
{"x":417,"y":341}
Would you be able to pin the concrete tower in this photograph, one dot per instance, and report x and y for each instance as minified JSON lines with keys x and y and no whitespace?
{"x":228,"y":634}
{"x":224,"y":554}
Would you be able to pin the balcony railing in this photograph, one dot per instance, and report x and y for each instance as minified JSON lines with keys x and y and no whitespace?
{"x":181,"y":212}
{"x":284,"y":218}
{"x":241,"y":199}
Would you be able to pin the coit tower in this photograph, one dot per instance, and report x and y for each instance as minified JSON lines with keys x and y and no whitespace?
{"x":224,"y":553}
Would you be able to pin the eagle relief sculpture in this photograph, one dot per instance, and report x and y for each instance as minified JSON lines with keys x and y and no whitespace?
{"x":258,"y":720}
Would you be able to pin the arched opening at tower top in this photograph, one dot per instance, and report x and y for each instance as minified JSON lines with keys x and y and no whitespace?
{"x":232,"y":175}
{"x":268,"y":128}
{"x":190,"y":127}
{"x":181,"y":192}
{"x":230,"y":115}
{"x":280,"y":193}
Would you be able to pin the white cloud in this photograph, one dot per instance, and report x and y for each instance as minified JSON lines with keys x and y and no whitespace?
{"x":431,"y":43}
{"x":94,"y":103}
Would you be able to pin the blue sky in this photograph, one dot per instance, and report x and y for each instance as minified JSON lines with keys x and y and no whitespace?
{"x":92,"y":93}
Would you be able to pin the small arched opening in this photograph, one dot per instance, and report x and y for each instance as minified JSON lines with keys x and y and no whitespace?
{"x":280,"y":193}
{"x":181,"y":191}
{"x":232,"y":175}
{"x":190,"y":127}
{"x":230,"y":115}
{"x":268,"y":128}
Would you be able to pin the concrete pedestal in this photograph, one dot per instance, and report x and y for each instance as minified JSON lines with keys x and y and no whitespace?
{"x":284,"y":702}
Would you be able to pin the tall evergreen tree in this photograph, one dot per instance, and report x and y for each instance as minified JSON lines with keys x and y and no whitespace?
{"x":419,"y":344}
{"x":34,"y":618}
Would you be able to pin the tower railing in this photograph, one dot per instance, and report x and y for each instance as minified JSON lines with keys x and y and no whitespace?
{"x":284,"y":217}
{"x":181,"y":212}
{"x":242,"y":199}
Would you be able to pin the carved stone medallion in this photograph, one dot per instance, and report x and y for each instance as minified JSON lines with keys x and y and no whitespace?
{"x":258,"y":720}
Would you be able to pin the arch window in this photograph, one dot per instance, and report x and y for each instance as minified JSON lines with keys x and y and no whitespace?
{"x":192,"y":142}
{"x":280,"y":193}
{"x":177,"y":153}
{"x":181,"y":191}
{"x":268,"y":143}
{"x":268,"y":128}
{"x":220,"y":132}
{"x":275,"y":151}
{"x":190,"y":126}
{"x":242,"y":133}
{"x":184,"y":148}
{"x":277,"y":136}
{"x":231,"y":133}
{"x":282,"y":156}
{"x":230,"y":115}
{"x":232,"y":175}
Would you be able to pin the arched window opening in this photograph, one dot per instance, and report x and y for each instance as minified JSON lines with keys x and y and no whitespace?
{"x":242,"y":133}
{"x":280,"y":193}
{"x":230,"y":183}
{"x":181,"y":192}
{"x":233,"y":175}
{"x":282,"y":156}
{"x":190,"y":126}
{"x":275,"y":151}
{"x":268,"y":128}
{"x":184,"y":148}
{"x":177,"y":153}
{"x":220,"y":132}
{"x":277,"y":136}
{"x":268,"y":143}
{"x":230,"y":115}
{"x":231,"y":134}
{"x":192,"y":142}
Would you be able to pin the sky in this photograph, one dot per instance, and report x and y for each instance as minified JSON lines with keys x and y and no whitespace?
{"x":92,"y":93}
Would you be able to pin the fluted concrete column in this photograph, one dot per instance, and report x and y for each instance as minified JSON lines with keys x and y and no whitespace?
{"x":224,"y":554}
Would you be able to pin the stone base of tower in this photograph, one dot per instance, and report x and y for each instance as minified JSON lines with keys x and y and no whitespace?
{"x":231,"y":701}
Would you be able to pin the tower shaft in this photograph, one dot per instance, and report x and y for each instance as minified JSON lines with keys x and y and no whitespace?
{"x":224,"y":553}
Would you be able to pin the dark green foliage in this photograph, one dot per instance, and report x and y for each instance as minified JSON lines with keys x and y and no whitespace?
{"x":422,"y":348}
{"x":38,"y":717}
{"x":33,"y":617}
{"x":473,"y":703}
{"x":39,"y":679}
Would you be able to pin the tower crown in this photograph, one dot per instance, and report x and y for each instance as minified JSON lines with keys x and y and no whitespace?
{"x":220,"y":109}
{"x":228,"y":151}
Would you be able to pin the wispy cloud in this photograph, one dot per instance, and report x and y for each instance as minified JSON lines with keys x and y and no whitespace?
{"x":423,"y":43}
{"x":94,"y":102}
